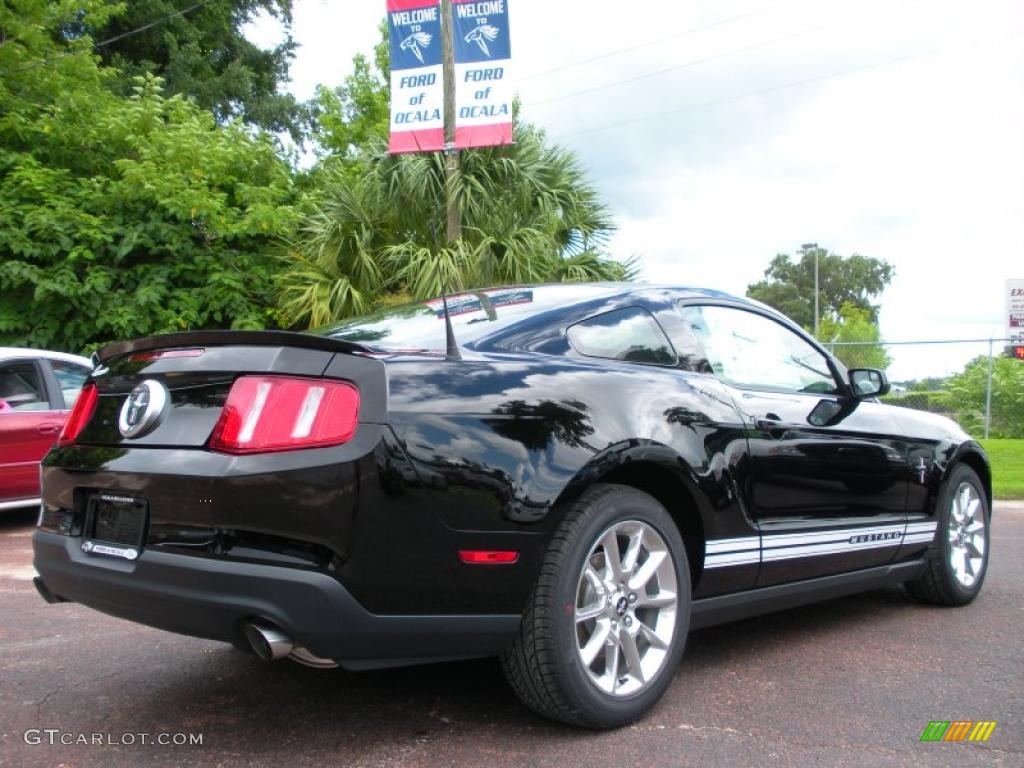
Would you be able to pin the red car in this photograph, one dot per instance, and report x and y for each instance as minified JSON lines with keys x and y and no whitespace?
{"x":37,"y":390}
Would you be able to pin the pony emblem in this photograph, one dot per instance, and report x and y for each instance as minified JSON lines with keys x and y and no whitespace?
{"x":415,"y":42}
{"x":482,"y":35}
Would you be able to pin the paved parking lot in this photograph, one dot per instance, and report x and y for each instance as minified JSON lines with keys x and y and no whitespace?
{"x":850,"y":682}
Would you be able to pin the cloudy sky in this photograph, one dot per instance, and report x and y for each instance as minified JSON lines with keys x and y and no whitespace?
{"x":722,"y":133}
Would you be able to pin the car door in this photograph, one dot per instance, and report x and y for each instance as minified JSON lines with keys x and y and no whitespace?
{"x":29,"y":426}
{"x":69,"y":378}
{"x":828,"y":480}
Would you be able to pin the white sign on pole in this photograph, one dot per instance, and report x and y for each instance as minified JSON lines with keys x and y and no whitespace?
{"x":1015,"y":311}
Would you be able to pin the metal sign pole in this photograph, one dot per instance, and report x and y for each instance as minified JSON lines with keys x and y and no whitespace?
{"x":988,"y":392}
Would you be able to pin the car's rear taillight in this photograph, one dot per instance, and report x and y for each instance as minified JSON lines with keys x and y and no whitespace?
{"x":80,"y":414}
{"x":283,"y":413}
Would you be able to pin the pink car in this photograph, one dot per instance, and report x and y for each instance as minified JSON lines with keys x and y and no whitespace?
{"x":37,"y":390}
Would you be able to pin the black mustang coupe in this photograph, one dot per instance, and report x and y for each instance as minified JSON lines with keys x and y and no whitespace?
{"x":570,"y":477}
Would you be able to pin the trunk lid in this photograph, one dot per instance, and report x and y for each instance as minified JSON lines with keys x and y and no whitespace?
{"x":197,"y":369}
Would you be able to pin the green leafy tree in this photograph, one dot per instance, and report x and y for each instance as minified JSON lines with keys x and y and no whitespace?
{"x":200,"y":51}
{"x":123,"y":216}
{"x":854,"y":338}
{"x":789,"y":284}
{"x":966,"y":394}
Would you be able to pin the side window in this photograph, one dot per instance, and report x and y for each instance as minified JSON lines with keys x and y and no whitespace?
{"x":21,"y":387}
{"x":624,"y":334}
{"x":751,"y":351}
{"x":71,"y":377}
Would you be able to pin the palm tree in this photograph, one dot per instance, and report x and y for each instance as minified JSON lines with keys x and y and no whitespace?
{"x":378,"y":230}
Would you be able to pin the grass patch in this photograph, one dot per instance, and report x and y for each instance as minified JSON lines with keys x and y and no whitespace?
{"x":1007,"y":457}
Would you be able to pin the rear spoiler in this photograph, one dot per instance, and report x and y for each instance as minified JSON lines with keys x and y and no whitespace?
{"x":224,"y":339}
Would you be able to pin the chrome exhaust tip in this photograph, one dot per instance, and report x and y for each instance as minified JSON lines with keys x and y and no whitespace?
{"x":269,"y":642}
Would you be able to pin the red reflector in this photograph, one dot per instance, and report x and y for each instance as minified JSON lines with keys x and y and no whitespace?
{"x":283,"y":413}
{"x":158,"y":354}
{"x":80,"y":414}
{"x":487,"y":557}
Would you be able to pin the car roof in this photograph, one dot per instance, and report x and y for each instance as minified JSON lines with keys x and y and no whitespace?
{"x":520,"y":318}
{"x":12,"y":353}
{"x":654,"y":292}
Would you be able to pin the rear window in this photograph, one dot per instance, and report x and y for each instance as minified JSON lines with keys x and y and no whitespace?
{"x":630,"y":334}
{"x":419,"y":327}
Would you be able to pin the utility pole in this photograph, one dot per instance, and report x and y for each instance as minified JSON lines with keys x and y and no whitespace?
{"x":807,"y":247}
{"x":451,"y":154}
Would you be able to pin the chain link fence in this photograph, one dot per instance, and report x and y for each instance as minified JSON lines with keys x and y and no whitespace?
{"x":977,"y":382}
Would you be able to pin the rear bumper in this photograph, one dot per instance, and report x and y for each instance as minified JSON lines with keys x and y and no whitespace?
{"x":213,"y":598}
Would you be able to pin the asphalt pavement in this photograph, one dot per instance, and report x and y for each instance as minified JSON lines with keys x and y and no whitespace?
{"x":853,"y":682}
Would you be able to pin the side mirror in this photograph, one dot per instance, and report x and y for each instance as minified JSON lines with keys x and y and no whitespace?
{"x":4,"y":406}
{"x":868,"y":382}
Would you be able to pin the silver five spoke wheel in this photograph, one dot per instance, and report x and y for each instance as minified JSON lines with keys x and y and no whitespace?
{"x":966,"y":534}
{"x":626,"y":603}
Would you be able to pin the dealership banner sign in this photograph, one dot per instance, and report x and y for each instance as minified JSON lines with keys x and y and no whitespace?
{"x":417,"y":81}
{"x":1015,"y":316}
{"x":483,"y":58}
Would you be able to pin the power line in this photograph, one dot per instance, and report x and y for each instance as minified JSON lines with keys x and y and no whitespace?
{"x":704,"y":60}
{"x":115,"y":38}
{"x":666,"y":38}
{"x":794,"y":84}
{"x":152,"y":24}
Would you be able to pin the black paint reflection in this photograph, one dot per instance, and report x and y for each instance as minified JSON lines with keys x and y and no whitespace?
{"x":536,"y":426}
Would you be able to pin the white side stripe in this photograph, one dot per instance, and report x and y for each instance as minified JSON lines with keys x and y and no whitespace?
{"x":919,"y":538}
{"x":733,"y":545}
{"x":787,"y":553}
{"x":732,"y":558}
{"x":838,"y":536}
{"x":748,"y":550}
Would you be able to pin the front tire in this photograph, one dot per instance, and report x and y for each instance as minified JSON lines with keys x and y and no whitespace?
{"x":957,"y":560}
{"x":606,"y":623}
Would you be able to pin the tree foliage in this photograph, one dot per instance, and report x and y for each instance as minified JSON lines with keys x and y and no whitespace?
{"x":854,"y":338}
{"x":138,"y":193}
{"x":854,"y":280}
{"x":967,"y":391}
{"x":528,"y":215}
{"x":123,"y":216}
{"x":202,"y":53}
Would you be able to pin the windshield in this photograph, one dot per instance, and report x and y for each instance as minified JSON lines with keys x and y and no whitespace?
{"x":419,"y":327}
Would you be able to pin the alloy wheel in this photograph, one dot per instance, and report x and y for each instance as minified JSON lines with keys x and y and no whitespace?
{"x":966,"y":534}
{"x":626,"y":603}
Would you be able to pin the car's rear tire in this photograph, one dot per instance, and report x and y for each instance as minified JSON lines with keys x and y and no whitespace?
{"x":605,"y":626}
{"x":957,"y":560}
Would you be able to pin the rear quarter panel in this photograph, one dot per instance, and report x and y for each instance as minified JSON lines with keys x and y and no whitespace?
{"x":493,"y":445}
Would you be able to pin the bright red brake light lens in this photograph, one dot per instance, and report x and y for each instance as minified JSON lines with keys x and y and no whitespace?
{"x":488,"y":557}
{"x":282,"y":413}
{"x":80,"y":414}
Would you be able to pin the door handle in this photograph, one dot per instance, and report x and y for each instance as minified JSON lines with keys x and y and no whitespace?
{"x":772,"y":423}
{"x":51,"y":429}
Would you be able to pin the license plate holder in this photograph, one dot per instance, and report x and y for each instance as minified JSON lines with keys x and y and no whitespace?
{"x":115,"y":525}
